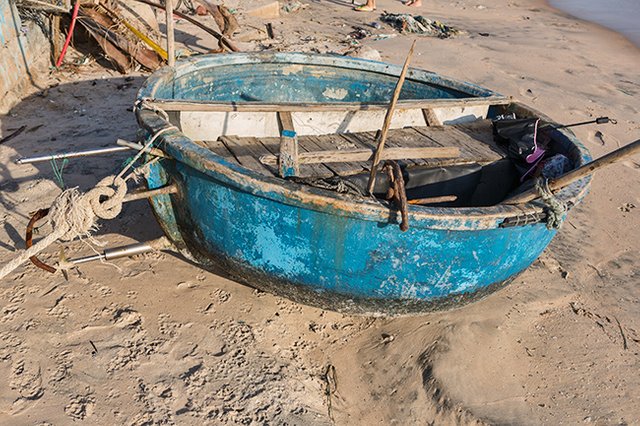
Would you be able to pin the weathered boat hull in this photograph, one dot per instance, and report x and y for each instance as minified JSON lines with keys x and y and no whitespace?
{"x":320,"y":248}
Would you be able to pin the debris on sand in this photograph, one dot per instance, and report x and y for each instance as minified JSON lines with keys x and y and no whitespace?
{"x":365,"y":52}
{"x":407,"y":23}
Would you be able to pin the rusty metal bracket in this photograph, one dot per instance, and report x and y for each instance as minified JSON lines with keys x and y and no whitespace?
{"x":397,"y":192}
{"x":40,"y":214}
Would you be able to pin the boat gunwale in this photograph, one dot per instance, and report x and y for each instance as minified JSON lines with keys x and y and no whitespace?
{"x":185,"y":151}
{"x":190,"y":65}
{"x":179,"y":105}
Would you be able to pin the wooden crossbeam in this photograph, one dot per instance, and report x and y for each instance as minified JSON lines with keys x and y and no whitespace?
{"x":341,"y":156}
{"x":206,"y":106}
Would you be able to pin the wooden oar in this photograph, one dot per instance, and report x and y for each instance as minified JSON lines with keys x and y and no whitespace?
{"x":387,"y":121}
{"x":579,"y":173}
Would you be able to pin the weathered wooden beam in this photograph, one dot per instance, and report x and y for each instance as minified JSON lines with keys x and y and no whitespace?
{"x":434,"y":200}
{"x":205,"y":106}
{"x":288,"y":159}
{"x":430,"y":117}
{"x":171,"y":45}
{"x":338,"y":156}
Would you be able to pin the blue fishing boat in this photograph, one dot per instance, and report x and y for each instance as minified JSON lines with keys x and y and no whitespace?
{"x":270,"y":153}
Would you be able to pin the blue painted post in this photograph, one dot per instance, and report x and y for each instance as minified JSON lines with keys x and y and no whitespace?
{"x":288,"y":159}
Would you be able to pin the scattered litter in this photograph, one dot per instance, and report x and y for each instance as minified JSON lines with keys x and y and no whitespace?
{"x":375,"y":25}
{"x":387,"y":338}
{"x":407,"y":23}
{"x":359,"y":33}
{"x":384,"y":36}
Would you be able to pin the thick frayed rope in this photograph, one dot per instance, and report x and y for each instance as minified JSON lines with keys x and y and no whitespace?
{"x":74,"y":214}
{"x":556,"y":209}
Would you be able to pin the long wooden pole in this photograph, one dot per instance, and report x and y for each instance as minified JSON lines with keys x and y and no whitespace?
{"x":579,"y":173}
{"x":387,"y":121}
{"x":171,"y":47}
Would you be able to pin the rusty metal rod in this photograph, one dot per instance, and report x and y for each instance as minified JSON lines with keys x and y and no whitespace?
{"x":40,"y":214}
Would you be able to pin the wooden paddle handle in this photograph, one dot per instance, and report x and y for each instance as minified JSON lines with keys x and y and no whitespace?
{"x":387,"y":121}
{"x":579,"y":173}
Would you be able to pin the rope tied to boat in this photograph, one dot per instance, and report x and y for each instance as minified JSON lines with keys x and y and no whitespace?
{"x":143,"y":104}
{"x":556,"y":208}
{"x":74,"y":214}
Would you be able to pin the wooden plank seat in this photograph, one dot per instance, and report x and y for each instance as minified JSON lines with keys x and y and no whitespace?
{"x":473,"y":140}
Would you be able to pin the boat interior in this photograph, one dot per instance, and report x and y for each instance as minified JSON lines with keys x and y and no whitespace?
{"x":479,"y":175}
{"x":447,"y":156}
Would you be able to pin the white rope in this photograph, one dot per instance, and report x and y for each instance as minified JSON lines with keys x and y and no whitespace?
{"x":74,"y":214}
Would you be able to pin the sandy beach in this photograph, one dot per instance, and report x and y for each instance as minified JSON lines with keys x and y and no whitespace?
{"x":154,"y":339}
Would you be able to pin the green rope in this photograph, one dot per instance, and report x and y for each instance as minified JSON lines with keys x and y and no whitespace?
{"x":556,"y":209}
{"x":57,"y":172}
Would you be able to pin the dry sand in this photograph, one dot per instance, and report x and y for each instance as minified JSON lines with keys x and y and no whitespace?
{"x":175,"y":344}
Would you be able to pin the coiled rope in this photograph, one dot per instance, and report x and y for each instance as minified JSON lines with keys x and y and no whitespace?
{"x":556,"y":209}
{"x":74,"y":214}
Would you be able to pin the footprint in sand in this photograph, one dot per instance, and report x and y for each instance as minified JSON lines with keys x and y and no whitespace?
{"x":127,"y":318}
{"x":26,"y":379}
{"x":9,"y":345}
{"x":81,"y":406}
{"x":220,"y":296}
{"x":63,"y":365}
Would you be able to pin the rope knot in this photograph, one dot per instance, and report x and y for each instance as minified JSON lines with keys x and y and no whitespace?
{"x":107,"y":197}
{"x":74,"y":214}
{"x":556,"y":208}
